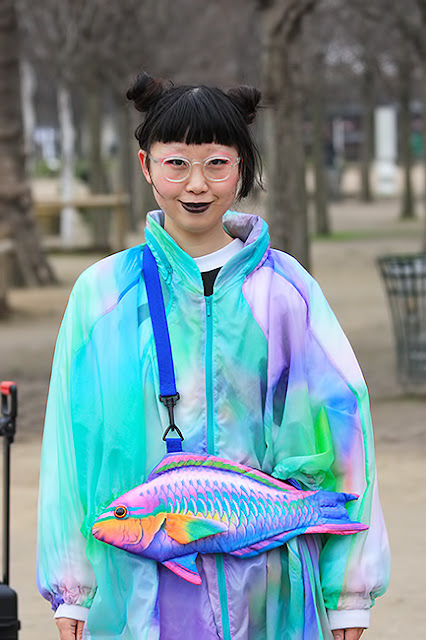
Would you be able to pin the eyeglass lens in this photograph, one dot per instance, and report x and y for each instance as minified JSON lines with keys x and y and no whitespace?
{"x":177,"y":169}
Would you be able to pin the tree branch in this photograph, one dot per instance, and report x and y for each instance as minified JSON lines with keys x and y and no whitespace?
{"x":285,"y":17}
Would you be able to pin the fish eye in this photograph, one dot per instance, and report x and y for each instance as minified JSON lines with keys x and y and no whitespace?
{"x":120,"y":512}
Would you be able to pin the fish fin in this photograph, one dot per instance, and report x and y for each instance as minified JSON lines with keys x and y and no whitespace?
{"x":186,"y":528}
{"x":276,"y":541}
{"x":185,"y":568}
{"x":175,"y":461}
{"x":150,"y":527}
{"x":341,"y":528}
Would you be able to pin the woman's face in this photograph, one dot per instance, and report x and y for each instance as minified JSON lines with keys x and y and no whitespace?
{"x":195,"y":206}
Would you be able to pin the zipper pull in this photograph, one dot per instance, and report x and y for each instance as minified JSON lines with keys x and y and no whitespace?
{"x":208,"y":307}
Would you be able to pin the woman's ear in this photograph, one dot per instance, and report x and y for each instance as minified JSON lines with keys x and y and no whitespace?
{"x":143,"y":157}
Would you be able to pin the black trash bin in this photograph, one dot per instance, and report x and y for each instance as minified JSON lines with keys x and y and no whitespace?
{"x":405,"y":281}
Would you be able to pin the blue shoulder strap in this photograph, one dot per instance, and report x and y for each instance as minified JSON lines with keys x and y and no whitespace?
{"x":168,"y":394}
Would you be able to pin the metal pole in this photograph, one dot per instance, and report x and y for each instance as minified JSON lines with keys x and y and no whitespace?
{"x":6,"y":508}
{"x":9,"y":410}
{"x":9,"y":623}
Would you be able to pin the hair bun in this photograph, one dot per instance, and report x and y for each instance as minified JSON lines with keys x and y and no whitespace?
{"x":246,"y":99}
{"x":146,"y":91}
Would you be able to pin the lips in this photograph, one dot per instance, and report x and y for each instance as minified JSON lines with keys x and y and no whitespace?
{"x":195,"y":207}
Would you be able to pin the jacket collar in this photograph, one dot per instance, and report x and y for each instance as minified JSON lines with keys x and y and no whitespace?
{"x":175,"y":263}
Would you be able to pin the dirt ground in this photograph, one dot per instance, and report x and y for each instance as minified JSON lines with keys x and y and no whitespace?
{"x":345,"y":267}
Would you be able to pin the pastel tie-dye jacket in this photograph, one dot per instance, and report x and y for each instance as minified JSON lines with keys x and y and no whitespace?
{"x":268,"y":379}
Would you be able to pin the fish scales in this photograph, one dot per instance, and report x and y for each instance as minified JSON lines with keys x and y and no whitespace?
{"x":193,"y":506}
{"x":218,"y":502}
{"x":244,"y":506}
{"x":210,"y":502}
{"x":253,"y":505}
{"x":227,"y":507}
{"x":262,"y":507}
{"x":186,"y":492}
{"x":202,"y":505}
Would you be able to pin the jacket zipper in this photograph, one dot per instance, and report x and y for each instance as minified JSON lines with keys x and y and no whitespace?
{"x":223,"y":595}
{"x":209,"y":375}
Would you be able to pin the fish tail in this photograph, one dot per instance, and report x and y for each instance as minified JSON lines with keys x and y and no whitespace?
{"x":333,"y":514}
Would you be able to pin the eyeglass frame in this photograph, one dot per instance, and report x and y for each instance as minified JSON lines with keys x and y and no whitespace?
{"x":192,"y":162}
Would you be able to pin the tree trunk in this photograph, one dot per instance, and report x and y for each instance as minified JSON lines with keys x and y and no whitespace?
{"x":424,"y":154}
{"x":142,"y":194}
{"x":319,"y":124}
{"x":73,"y":230}
{"x":367,"y":130}
{"x":407,"y":204}
{"x":30,"y":266}
{"x":285,"y":158}
{"x":97,"y":180}
{"x":126,"y":156}
{"x":28,"y":87}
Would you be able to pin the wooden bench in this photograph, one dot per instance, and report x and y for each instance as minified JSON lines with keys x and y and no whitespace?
{"x":117,"y":203}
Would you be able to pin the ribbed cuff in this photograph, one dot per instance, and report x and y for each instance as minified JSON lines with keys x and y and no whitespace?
{"x":72,"y":611}
{"x":348,"y":618}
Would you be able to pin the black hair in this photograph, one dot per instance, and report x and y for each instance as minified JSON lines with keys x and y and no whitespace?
{"x":198,"y":115}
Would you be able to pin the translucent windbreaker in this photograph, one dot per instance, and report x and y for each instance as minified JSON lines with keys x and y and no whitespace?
{"x":266,"y":378}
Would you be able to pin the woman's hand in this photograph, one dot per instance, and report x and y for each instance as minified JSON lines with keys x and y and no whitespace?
{"x":70,"y":629}
{"x":347,"y":634}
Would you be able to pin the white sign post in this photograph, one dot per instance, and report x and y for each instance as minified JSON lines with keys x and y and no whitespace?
{"x":386,"y":146}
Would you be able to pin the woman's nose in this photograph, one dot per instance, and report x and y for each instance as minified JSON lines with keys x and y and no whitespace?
{"x":197,"y":181}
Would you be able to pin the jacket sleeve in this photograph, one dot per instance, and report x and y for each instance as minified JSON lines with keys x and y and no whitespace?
{"x":326,"y":441}
{"x":64,"y":574}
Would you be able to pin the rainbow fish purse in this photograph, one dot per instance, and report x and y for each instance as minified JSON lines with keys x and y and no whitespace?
{"x":194,"y":503}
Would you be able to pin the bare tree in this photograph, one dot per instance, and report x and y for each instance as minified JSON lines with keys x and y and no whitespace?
{"x":405,"y":70}
{"x":319,"y":40}
{"x":409,"y":22}
{"x":319,"y":142}
{"x":412,"y":24}
{"x":218,"y":45}
{"x":285,"y":158}
{"x":30,"y":263}
{"x":365,"y":43}
{"x":53,"y":29}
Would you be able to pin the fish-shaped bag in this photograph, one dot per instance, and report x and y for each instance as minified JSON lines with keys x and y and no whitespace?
{"x":193,"y":504}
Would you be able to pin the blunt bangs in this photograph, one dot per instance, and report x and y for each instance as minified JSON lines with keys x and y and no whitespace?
{"x":202,"y":115}
{"x":198,"y":116}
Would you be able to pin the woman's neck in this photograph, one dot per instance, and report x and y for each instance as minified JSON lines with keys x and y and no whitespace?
{"x":197,"y":245}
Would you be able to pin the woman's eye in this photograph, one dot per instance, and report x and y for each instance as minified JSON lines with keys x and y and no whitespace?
{"x":178,"y":163}
{"x":219,"y":162}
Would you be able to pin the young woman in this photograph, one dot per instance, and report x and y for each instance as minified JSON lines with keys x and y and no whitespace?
{"x":266,"y":378}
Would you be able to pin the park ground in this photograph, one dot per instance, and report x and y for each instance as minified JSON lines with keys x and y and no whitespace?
{"x":345,"y":266}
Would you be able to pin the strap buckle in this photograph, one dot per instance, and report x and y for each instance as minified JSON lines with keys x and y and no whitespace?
{"x":169,"y":402}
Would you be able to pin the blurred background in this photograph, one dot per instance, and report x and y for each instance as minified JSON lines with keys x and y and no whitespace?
{"x":342,"y":137}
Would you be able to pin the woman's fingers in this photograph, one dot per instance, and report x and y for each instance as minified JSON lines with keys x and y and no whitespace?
{"x":80,"y":625}
{"x":70,"y":629}
{"x":347,"y":634}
